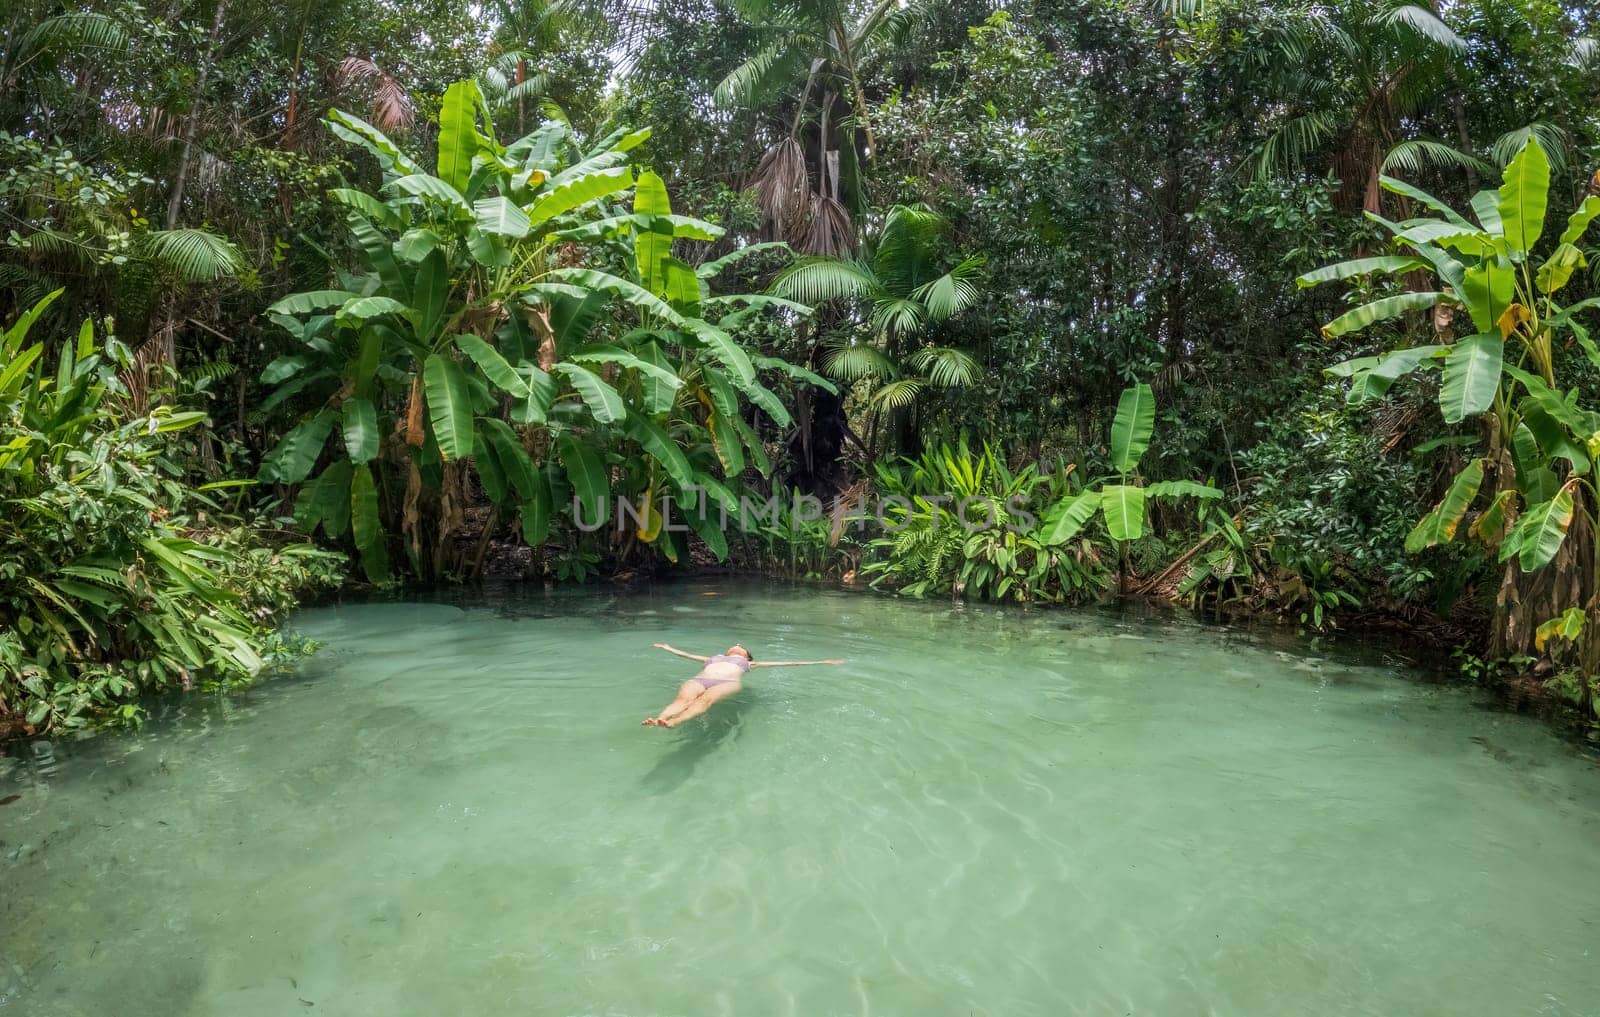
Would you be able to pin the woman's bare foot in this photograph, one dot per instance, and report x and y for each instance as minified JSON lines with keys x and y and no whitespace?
{"x":651,"y":722}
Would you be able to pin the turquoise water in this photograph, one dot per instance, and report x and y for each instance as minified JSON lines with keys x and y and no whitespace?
{"x":453,"y":809}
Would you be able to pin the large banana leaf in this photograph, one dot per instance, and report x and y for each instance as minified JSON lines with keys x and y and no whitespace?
{"x":424,"y":185}
{"x":366,"y":526}
{"x":497,"y":215}
{"x":604,"y":403}
{"x":358,"y":132}
{"x":1439,"y":526}
{"x":1578,"y":222}
{"x":458,"y":133}
{"x":725,"y":349}
{"x":514,"y":462}
{"x":362,"y":308}
{"x":1379,"y":310}
{"x":1488,"y":288}
{"x":430,"y":295}
{"x":325,"y":501}
{"x":752,"y":444}
{"x":449,"y":406}
{"x":656,"y":373}
{"x":1360,"y":266}
{"x":1068,"y":517}
{"x":711,"y":269}
{"x":659,"y":392}
{"x":575,"y":193}
{"x":662,"y":448}
{"x":1132,"y":427}
{"x":589,"y":481}
{"x":1524,"y":196}
{"x":1372,"y":377}
{"x":1422,"y":197}
{"x":1554,"y":440}
{"x":536,"y":511}
{"x":311,"y":300}
{"x":652,"y":244}
{"x":1182,"y":489}
{"x":1542,"y":529}
{"x":291,"y":461}
{"x":631,"y":292}
{"x":769,"y":404}
{"x":368,"y":205}
{"x":379,"y":252}
{"x":1486,"y":206}
{"x":1123,"y":506}
{"x":680,"y":286}
{"x":725,"y":441}
{"x":1466,"y":239}
{"x":1558,"y":268}
{"x":360,"y":429}
{"x":494,"y":367}
{"x":1471,"y":377}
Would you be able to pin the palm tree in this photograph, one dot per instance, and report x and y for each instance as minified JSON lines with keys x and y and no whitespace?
{"x":901,"y":283}
{"x":817,"y":47}
{"x":1351,"y":74}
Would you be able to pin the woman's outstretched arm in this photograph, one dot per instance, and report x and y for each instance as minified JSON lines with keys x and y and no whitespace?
{"x":691,"y":656}
{"x":792,"y":663}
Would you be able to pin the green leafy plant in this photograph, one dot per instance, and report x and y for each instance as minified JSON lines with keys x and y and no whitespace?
{"x":906,"y":289}
{"x":107,"y":586}
{"x":1121,"y":498}
{"x":960,"y":522}
{"x":521,"y":313}
{"x":1537,"y":442}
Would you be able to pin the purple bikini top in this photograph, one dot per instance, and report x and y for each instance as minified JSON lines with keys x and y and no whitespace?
{"x":730,"y":658}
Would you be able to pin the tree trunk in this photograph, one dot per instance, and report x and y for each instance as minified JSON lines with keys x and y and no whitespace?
{"x":202,"y":72}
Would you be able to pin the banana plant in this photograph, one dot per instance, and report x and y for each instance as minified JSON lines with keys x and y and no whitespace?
{"x":492,"y":326}
{"x":1538,"y":445}
{"x":1121,"y":499}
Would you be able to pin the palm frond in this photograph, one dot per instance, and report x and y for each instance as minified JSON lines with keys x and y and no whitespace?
{"x":1286,"y":149}
{"x":772,"y":66}
{"x":898,"y":315}
{"x":392,"y":108}
{"x":830,"y":231}
{"x":74,"y":33}
{"x":1415,"y":155}
{"x":951,"y":293}
{"x":782,"y":188}
{"x":1293,"y":37}
{"x":816,"y":280}
{"x":1584,"y":53}
{"x":1555,"y":141}
{"x":946,"y":366}
{"x":196,"y":255}
{"x":898,"y":395}
{"x":1423,"y":23}
{"x":907,"y":245}
{"x":856,"y":361}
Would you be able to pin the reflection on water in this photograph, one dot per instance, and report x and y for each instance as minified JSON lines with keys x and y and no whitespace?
{"x":454,"y":809}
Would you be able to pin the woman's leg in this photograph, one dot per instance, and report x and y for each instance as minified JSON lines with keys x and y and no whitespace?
{"x":700,"y":705}
{"x":688,"y":692}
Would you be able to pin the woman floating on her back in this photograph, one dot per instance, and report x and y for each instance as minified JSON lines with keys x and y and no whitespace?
{"x":722,"y":676}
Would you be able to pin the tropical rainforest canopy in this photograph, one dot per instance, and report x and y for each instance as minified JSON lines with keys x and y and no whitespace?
{"x":1269,"y":308}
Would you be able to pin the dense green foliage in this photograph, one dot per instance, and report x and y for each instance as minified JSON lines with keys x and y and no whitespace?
{"x":112,"y":580}
{"x":963,"y":249}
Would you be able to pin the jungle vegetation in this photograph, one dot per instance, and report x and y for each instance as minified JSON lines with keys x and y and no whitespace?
{"x":1280,"y":309}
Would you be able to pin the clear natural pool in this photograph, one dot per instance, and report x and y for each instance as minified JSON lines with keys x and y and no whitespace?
{"x":453,"y":810}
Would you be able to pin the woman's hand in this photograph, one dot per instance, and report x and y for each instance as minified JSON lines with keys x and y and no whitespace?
{"x":662,"y":646}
